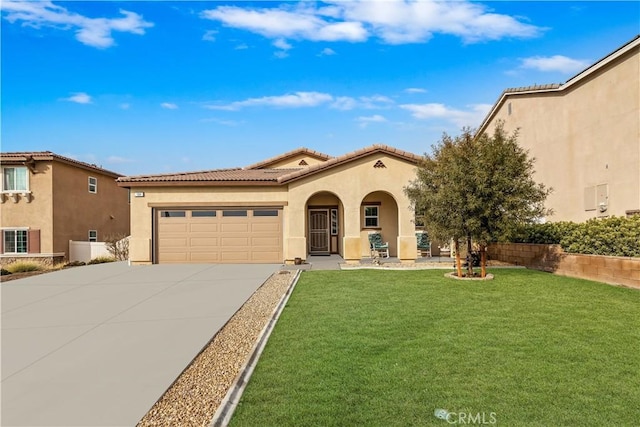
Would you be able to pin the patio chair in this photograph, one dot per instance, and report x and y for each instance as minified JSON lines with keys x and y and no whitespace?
{"x":377,"y":246}
{"x":424,"y":244}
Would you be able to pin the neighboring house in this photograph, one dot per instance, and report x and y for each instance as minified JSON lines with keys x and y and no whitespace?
{"x":48,"y":199}
{"x":287,"y":207}
{"x":584,"y":134}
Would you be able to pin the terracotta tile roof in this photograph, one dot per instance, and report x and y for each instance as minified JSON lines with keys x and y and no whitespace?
{"x":216,"y":175}
{"x":25,"y":156}
{"x":246,"y":176}
{"x":284,"y":156}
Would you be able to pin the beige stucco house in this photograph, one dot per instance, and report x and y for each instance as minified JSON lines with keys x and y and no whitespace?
{"x":584,"y":134}
{"x":291,"y":206}
{"x":48,"y":199}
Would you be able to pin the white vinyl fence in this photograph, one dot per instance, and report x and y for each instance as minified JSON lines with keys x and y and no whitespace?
{"x":86,"y":251}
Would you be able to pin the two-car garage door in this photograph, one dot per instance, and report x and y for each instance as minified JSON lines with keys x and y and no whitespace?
{"x":238,"y":235}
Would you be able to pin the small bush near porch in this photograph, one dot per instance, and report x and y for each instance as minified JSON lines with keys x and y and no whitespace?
{"x":388,"y":348}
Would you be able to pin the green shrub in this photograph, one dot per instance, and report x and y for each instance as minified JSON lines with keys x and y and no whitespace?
{"x":615,"y":236}
{"x":102,"y":259}
{"x":24,"y":266}
{"x":4,"y":272}
{"x":75,"y":264}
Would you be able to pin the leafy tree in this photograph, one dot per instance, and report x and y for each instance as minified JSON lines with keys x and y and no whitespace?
{"x":477,"y":187}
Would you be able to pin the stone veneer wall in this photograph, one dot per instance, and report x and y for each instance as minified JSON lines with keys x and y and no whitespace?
{"x":551,"y":258}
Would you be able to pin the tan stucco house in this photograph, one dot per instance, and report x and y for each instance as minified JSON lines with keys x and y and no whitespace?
{"x":291,"y":206}
{"x":584,"y":134}
{"x":48,"y":199}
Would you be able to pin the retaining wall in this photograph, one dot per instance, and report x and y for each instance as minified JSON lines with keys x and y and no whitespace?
{"x":551,"y":258}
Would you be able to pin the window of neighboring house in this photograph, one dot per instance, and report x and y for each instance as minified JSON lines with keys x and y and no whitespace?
{"x":15,"y":179}
{"x":93,"y":185}
{"x":371,"y":217}
{"x":93,"y":235}
{"x":15,"y":241}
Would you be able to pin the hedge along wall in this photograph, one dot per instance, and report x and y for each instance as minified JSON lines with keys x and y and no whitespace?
{"x":608,"y":269}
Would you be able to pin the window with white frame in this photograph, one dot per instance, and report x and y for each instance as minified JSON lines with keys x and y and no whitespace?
{"x":15,"y":179}
{"x":371,"y":216}
{"x":15,"y":241}
{"x":93,"y":185}
{"x":93,"y":235}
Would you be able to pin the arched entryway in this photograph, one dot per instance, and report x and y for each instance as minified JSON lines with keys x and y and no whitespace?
{"x":379,"y":213}
{"x":324,"y":224}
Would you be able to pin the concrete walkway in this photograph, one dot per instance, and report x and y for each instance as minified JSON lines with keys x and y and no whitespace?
{"x":98,"y":345}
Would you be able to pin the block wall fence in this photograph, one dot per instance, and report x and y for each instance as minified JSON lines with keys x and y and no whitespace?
{"x":551,"y":258}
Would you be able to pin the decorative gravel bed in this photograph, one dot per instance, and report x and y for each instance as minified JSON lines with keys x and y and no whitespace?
{"x":194,"y":397}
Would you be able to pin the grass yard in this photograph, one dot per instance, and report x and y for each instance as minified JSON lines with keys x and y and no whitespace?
{"x":388,"y":348}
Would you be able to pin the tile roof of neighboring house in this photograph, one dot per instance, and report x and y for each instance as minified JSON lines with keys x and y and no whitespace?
{"x":25,"y":157}
{"x":288,"y":154}
{"x":216,"y":175}
{"x":246,"y":176}
{"x":557,"y":87}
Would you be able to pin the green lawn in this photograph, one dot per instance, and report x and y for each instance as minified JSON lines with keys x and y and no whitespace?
{"x":387,"y":348}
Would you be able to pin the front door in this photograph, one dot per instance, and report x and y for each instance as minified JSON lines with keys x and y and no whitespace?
{"x":319,"y":231}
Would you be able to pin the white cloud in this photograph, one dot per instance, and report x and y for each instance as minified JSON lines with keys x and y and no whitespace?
{"x":367,"y":102}
{"x":300,"y":21}
{"x":125,"y":106}
{"x":327,"y":52}
{"x":293,"y":100}
{"x":282,"y":44}
{"x":169,"y":106}
{"x":555,"y":63}
{"x":241,"y":46}
{"x":79,"y":98}
{"x":95,"y":32}
{"x":210,"y":35}
{"x":471,"y":117}
{"x":366,"y":120}
{"x":393,"y":22}
{"x":415,"y":90}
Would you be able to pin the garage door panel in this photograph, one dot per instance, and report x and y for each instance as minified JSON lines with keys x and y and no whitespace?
{"x":205,"y":257}
{"x":203,"y":228}
{"x":231,"y":256}
{"x":201,"y":237}
{"x":265,"y":228}
{"x":266,"y":256}
{"x":203,"y":241}
{"x":172,"y":227}
{"x":234,"y":228}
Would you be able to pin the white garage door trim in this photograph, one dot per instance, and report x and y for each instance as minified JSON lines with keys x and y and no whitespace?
{"x":218,"y":235}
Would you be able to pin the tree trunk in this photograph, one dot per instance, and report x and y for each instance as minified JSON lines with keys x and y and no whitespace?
{"x":458,"y":261}
{"x":483,"y":260}
{"x":469,"y":258}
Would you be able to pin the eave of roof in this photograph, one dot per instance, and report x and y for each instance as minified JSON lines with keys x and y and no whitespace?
{"x":556,"y":87}
{"x":22,"y":157}
{"x":253,"y":177}
{"x":232,"y":176}
{"x":302,"y":150}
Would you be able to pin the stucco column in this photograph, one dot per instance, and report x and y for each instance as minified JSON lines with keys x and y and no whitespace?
{"x":351,"y":241}
{"x":407,"y":243}
{"x":295,"y":240}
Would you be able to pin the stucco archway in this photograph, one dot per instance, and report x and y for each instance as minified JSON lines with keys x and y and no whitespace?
{"x":324,"y":223}
{"x":379,"y":213}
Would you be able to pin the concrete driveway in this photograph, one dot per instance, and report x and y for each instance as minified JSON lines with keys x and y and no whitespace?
{"x":98,"y":345}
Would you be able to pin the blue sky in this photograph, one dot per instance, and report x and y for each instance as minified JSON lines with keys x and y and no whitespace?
{"x":153,"y":87}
